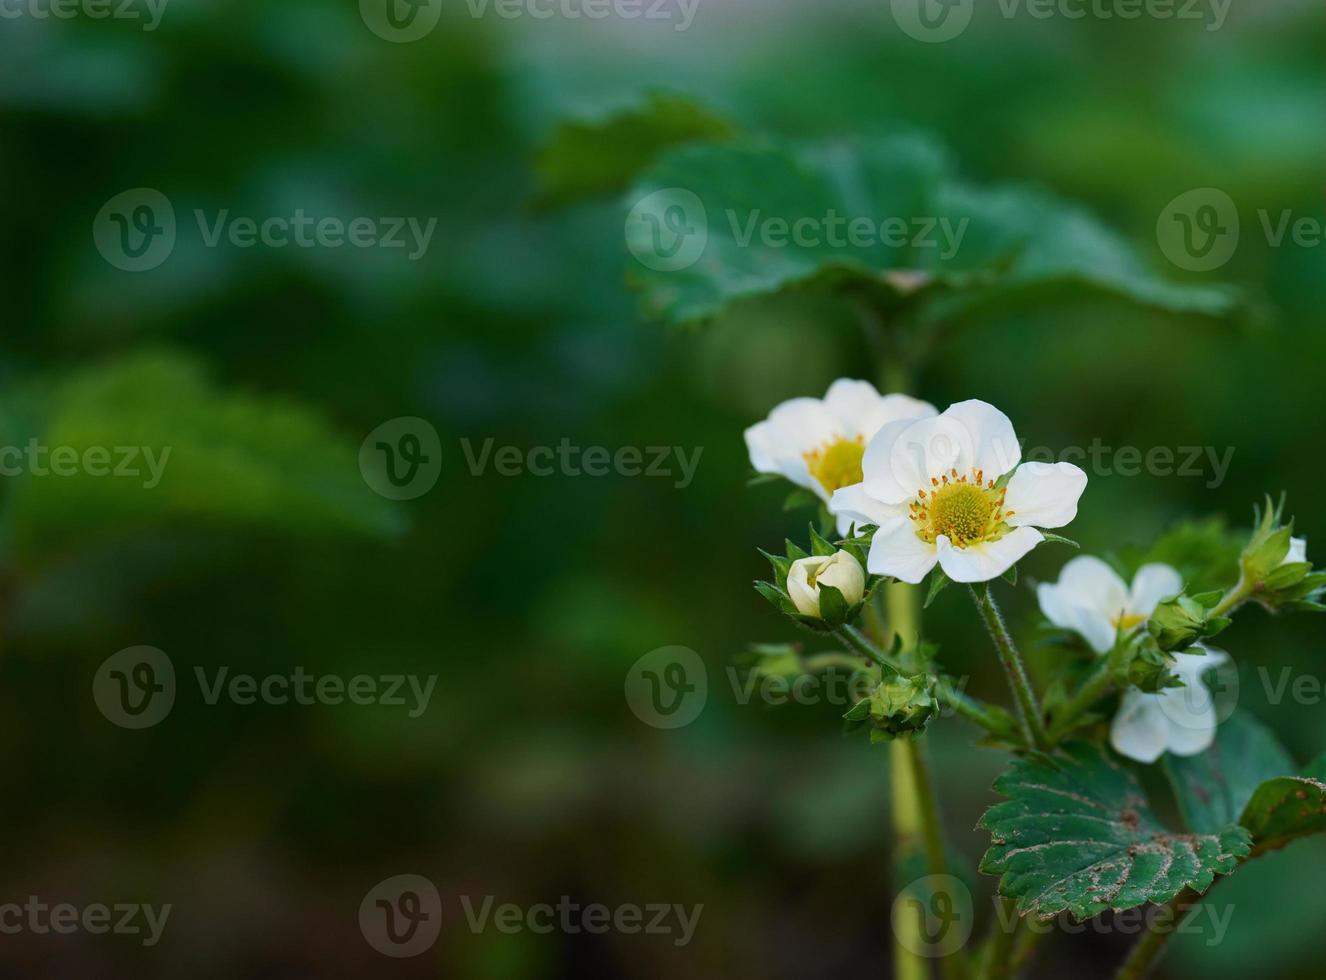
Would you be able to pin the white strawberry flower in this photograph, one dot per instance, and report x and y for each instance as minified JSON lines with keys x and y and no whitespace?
{"x":818,"y":443}
{"x":934,"y":487}
{"x":1091,"y":599}
{"x":1181,"y":720}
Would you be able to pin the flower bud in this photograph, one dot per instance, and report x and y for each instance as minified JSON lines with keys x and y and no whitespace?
{"x":808,"y":576}
{"x":902,"y":706}
{"x":1180,"y":622}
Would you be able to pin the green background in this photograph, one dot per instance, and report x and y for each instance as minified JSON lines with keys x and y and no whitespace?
{"x":529,"y":778}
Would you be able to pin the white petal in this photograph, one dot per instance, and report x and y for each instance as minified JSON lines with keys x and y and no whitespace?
{"x":995,"y":443}
{"x":1192,"y":666}
{"x":877,"y":466}
{"x":894,"y":408}
{"x":851,"y":402}
{"x":1191,"y":710}
{"x":1044,"y":494}
{"x":853,"y":505}
{"x":982,"y":562}
{"x":898,"y":552}
{"x":763,"y":447}
{"x":1091,"y":582}
{"x":803,"y":424}
{"x":794,"y":428}
{"x":1088,"y":598}
{"x":1151,"y":584}
{"x":1298,"y":551}
{"x":1072,"y":612}
{"x":1140,"y":730}
{"x":805,"y":597}
{"x":928,"y":450}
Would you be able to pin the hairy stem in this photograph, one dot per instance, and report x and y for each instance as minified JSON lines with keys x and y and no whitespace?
{"x":856,"y":642}
{"x":1033,"y":726}
{"x":973,"y":709}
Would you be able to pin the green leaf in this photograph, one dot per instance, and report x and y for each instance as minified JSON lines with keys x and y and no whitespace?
{"x":1077,"y":834}
{"x":1213,"y":788}
{"x":938,"y":583}
{"x":819,"y":546}
{"x":591,"y":158}
{"x":235,"y":459}
{"x":1059,"y":539}
{"x":1283,"y":810}
{"x":833,"y":607}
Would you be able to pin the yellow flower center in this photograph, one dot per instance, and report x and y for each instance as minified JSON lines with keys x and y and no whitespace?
{"x":965,"y":509}
{"x":1126,"y":621}
{"x":837,"y":464}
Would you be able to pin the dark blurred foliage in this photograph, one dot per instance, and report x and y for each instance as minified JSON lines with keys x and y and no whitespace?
{"x":529,"y":778}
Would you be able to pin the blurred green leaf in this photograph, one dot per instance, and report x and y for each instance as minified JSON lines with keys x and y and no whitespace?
{"x":1214,"y":787}
{"x":590,"y":158}
{"x":199,"y":454}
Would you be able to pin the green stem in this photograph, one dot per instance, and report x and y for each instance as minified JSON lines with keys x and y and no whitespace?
{"x":1025,"y":948}
{"x":1096,"y":686}
{"x":1232,"y":599}
{"x":999,"y":951}
{"x":853,"y":639}
{"x":970,"y":708}
{"x":1149,"y":947}
{"x":1033,"y":726}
